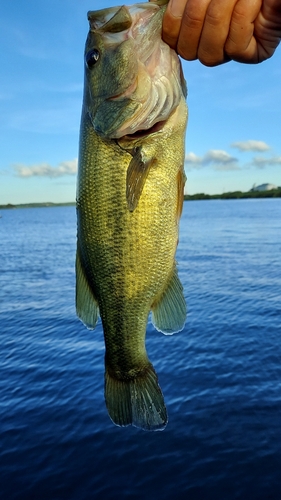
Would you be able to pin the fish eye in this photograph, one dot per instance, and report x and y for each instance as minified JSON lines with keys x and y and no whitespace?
{"x":92,"y":58}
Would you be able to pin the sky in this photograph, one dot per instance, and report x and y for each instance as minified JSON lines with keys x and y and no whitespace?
{"x":233,"y":138}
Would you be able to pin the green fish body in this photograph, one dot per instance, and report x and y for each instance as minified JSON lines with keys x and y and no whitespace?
{"x":129,"y":201}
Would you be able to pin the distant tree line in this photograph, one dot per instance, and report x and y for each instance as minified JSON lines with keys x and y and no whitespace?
{"x":38,"y":205}
{"x":235,"y":195}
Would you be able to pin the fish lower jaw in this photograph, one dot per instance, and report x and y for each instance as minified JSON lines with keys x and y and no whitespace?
{"x":139,"y":134}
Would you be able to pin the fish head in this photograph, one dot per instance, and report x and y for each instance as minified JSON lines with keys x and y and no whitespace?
{"x":109,"y":69}
{"x":133,"y":80}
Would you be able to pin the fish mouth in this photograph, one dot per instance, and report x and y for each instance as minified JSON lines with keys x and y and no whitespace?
{"x":145,"y":132}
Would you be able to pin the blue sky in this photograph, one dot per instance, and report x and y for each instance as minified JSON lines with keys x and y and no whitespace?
{"x":233,"y":137}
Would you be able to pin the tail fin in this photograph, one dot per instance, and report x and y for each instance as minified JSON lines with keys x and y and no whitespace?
{"x":138,"y":401}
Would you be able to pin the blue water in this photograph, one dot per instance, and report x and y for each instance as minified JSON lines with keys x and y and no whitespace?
{"x":221,"y":376}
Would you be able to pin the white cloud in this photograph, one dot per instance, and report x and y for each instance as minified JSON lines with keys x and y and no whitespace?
{"x":218,"y":156}
{"x":260,"y":162}
{"x":251,"y":145}
{"x":219,"y":159}
{"x":193,"y":159}
{"x":68,"y":167}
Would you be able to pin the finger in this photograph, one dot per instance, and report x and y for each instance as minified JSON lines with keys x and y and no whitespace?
{"x":215,"y":32}
{"x":268,"y":29}
{"x":240,"y":44}
{"x":191,"y":28}
{"x":172,"y":21}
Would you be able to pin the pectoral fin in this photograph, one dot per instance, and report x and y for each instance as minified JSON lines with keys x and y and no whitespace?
{"x":136,"y":176}
{"x":86,"y":306}
{"x":181,"y":179}
{"x":169,"y":311}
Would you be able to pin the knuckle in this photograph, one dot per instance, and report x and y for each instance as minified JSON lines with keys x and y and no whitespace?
{"x":185,"y":53}
{"x":210,"y":58}
{"x":191,"y":22}
{"x":214,"y":17}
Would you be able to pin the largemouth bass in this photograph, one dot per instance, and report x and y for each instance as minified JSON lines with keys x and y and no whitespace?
{"x":129,"y":201}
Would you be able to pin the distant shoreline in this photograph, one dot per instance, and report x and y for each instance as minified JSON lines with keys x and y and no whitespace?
{"x":235,"y":195}
{"x":37,"y":205}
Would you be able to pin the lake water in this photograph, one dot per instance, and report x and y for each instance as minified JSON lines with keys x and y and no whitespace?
{"x":221,"y":376}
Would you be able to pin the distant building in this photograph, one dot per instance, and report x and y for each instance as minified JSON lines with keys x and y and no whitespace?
{"x":263,"y":187}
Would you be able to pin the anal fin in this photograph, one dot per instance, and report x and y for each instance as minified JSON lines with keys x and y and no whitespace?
{"x":86,"y":305}
{"x":169,"y":311}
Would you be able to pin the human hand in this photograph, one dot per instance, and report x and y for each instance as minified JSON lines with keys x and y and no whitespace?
{"x":216,"y":31}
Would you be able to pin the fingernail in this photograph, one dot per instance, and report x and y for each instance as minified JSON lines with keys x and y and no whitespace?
{"x":176,"y":8}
